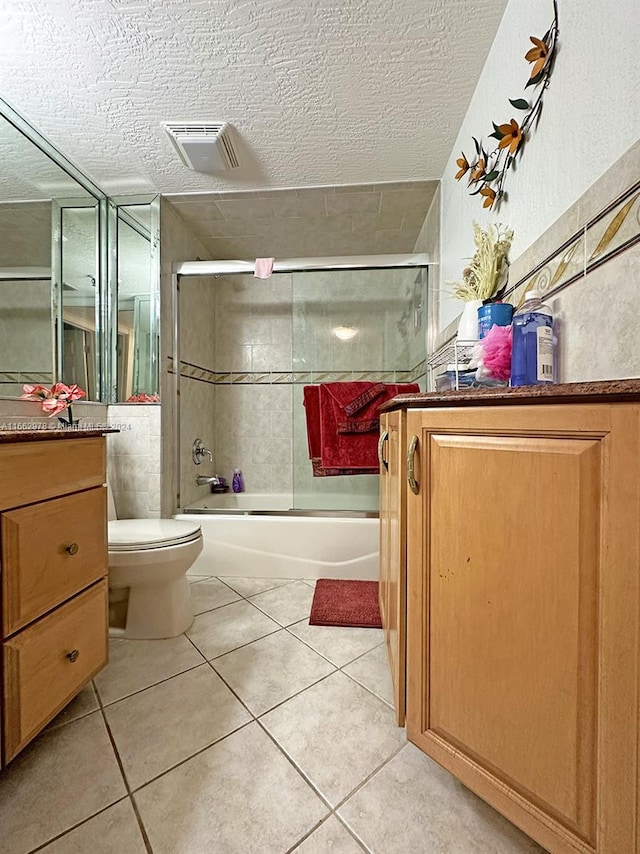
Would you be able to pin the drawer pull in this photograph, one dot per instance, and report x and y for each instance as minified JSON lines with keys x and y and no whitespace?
{"x":73,"y":549}
{"x":73,"y":655}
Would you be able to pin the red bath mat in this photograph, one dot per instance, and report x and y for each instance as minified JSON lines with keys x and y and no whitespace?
{"x":345,"y":603}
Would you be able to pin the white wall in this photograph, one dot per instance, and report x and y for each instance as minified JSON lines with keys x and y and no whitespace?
{"x":591,"y":117}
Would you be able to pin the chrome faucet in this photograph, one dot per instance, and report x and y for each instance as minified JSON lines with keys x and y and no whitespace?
{"x":210,"y":480}
{"x":215,"y":481}
{"x":200,"y":453}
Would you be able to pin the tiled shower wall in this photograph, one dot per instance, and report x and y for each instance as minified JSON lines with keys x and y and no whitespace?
{"x":177,"y":243}
{"x":197,"y":398}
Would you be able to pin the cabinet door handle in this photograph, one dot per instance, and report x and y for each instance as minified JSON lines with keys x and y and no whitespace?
{"x":73,"y":655}
{"x":73,"y":548}
{"x":383,"y":438}
{"x":413,"y":483}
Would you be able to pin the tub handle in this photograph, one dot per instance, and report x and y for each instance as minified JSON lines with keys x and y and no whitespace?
{"x":383,"y":438}
{"x":413,"y":483}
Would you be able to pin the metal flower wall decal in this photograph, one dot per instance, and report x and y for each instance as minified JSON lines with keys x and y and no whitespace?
{"x":487,"y":171}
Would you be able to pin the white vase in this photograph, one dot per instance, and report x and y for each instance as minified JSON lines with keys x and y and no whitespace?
{"x":468,"y":325}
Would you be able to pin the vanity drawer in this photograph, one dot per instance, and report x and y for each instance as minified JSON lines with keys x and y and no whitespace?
{"x":47,"y":664}
{"x":33,"y":471}
{"x":50,"y":551}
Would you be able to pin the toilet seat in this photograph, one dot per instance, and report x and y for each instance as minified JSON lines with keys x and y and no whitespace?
{"x":141,"y":534}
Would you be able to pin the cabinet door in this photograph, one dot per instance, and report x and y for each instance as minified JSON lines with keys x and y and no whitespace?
{"x":393,"y":555}
{"x":523,"y":598}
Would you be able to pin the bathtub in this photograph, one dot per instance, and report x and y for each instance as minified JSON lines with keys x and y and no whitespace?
{"x":273,"y":543}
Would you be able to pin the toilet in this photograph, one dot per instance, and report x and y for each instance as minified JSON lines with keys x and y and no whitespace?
{"x":148,"y":589}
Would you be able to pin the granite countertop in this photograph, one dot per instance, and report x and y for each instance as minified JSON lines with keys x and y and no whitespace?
{"x":38,"y":435}
{"x":605,"y":391}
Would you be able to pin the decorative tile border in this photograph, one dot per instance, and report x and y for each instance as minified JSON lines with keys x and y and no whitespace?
{"x":42,"y":377}
{"x":612,"y":231}
{"x":196,"y":372}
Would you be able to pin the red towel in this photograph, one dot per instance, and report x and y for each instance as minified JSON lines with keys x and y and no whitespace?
{"x":342,"y":425}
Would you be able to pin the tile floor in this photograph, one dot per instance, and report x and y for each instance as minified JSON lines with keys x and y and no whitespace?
{"x":254,"y":732}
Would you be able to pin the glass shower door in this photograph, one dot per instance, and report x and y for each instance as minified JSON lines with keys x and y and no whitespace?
{"x":351,"y":326}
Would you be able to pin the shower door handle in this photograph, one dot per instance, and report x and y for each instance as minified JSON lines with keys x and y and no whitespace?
{"x":383,"y":438}
{"x":411,"y":453}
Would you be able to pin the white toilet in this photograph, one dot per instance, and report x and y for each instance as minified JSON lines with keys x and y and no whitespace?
{"x":148,"y":588}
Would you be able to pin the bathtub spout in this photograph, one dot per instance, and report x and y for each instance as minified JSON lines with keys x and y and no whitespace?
{"x":216,"y":482}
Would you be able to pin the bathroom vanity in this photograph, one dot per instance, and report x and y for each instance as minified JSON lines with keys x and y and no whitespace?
{"x":53,"y":549}
{"x":510,"y":596}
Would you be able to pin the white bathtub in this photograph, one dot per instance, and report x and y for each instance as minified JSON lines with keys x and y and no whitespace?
{"x":282,"y":546}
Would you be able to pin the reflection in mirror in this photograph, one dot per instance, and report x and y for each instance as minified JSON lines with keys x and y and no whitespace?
{"x":138,"y":301}
{"x":78,"y":299}
{"x":48,"y":255}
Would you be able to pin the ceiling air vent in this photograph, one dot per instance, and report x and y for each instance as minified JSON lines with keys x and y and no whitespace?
{"x":205,"y":147}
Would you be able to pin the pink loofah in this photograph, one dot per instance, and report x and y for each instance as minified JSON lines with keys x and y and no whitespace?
{"x":495,"y":353}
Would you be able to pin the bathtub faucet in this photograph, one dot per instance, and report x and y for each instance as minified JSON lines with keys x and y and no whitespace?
{"x":216,"y":482}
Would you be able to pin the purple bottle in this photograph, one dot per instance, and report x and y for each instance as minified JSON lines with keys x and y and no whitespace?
{"x":237,"y":484}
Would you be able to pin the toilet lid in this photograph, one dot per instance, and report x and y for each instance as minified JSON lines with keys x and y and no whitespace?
{"x":131,"y":534}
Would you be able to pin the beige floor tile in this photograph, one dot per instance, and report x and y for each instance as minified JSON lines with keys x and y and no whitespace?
{"x":169,"y":722}
{"x":332,"y":837}
{"x":82,"y":704}
{"x":209,"y":594}
{"x":339,"y":645}
{"x":252,"y":586}
{"x":310,"y":581}
{"x":270,"y":670}
{"x":372,"y":671}
{"x":286,"y":604}
{"x":65,"y":776}
{"x":137,"y":664}
{"x":114,"y":831}
{"x":336,"y":733}
{"x":194,"y":579}
{"x":229,"y":627}
{"x":237,"y":797}
{"x":412,"y":804}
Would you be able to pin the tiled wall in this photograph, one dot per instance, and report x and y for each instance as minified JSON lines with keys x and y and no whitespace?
{"x":588,"y":263}
{"x":133,"y":459}
{"x":177,"y":243}
{"x":197,"y":398}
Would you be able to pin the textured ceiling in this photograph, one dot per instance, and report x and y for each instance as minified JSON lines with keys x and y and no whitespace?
{"x":319,"y":92}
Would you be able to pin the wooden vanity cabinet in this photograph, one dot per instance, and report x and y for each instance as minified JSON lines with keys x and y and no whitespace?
{"x":392,"y":577}
{"x":523,"y":604}
{"x":53,"y":569}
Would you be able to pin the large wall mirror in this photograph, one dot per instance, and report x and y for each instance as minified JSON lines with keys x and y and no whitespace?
{"x":49,"y":268}
{"x":79,"y":275}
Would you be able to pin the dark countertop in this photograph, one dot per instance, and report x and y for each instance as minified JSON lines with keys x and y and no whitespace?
{"x":46,"y":432}
{"x":605,"y":391}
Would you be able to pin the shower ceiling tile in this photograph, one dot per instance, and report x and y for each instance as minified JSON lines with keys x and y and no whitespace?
{"x":353,"y":203}
{"x":316,"y":222}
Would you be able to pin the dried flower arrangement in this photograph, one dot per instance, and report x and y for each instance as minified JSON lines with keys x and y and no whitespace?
{"x":485,"y":277}
{"x":488,"y":169}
